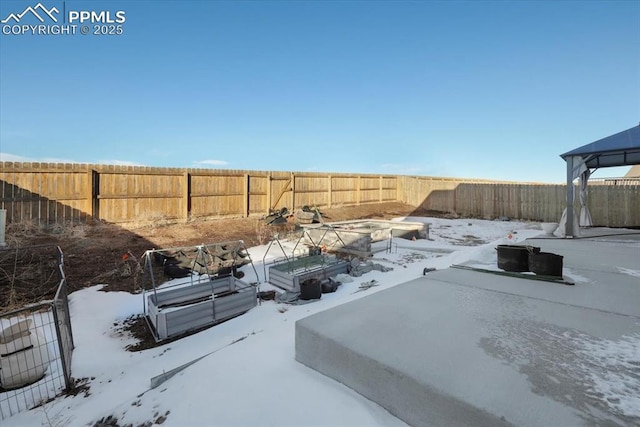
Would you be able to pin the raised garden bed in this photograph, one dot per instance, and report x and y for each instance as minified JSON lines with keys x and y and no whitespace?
{"x":205,"y":287}
{"x":177,"y":310}
{"x":355,"y":237}
{"x":289,"y":274}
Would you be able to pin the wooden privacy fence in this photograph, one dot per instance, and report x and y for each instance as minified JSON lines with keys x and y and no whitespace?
{"x":58,"y":193}
{"x":610,"y":205}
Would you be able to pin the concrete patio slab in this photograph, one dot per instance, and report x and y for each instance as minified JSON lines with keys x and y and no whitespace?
{"x":463,"y":348}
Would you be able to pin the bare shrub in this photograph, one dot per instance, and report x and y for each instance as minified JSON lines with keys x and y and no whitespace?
{"x":150,"y":219}
{"x":128,"y":266}
{"x":264,"y":232}
{"x":16,"y":233}
{"x":69,"y":230}
{"x":27,"y":275}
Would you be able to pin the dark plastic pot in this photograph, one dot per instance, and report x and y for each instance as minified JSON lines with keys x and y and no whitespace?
{"x":515,"y":258}
{"x":329,"y":287}
{"x":310,"y":289}
{"x":267,"y":295}
{"x":546,"y":264}
{"x":315,"y":250}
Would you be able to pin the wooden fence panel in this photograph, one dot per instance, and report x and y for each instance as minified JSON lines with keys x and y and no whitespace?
{"x":217,"y":195}
{"x":474,"y":200}
{"x":488,"y":195}
{"x":598,"y":202}
{"x":57,"y":193}
{"x":311,"y":191}
{"x":554,"y":206}
{"x":632,"y":211}
{"x":464,"y":200}
{"x":538,"y":203}
{"x":528,"y":203}
{"x":223,"y":206}
{"x":136,"y":195}
{"x":540,"y":200}
{"x":507,"y":199}
{"x":43,"y":192}
{"x":444,"y":197}
{"x":389,"y":189}
{"x":441,"y":195}
{"x":281,"y":194}
{"x":369,"y":189}
{"x":344,"y":190}
{"x":24,"y":196}
{"x":484,"y":196}
{"x":626,"y":206}
{"x":258,"y":193}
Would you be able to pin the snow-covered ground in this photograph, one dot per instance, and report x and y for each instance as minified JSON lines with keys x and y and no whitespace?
{"x":248,"y":376}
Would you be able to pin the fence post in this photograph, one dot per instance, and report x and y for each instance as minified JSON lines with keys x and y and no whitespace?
{"x":293,"y":191}
{"x":268,"y":193}
{"x":455,"y":197}
{"x":246,"y":191}
{"x":329,"y":187}
{"x":89,"y":196}
{"x":358,"y":190}
{"x":186,"y":195}
{"x":380,"y":197}
{"x":93,"y":195}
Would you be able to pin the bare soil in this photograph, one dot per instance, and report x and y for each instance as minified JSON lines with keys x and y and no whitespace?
{"x":108,"y":254}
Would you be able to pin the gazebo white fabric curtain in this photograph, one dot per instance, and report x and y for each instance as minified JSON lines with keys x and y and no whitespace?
{"x":585,"y":215}
{"x":578,"y":170}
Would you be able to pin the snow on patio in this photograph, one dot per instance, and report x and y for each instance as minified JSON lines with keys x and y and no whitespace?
{"x":248,"y":375}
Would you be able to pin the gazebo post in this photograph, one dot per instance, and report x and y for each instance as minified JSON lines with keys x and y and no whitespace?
{"x":568,"y":232}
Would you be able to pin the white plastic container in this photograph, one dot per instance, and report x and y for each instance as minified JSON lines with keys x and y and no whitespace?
{"x":24,"y":355}
{"x":549,"y":227}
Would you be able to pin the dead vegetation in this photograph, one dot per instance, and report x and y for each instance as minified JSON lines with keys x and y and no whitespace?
{"x":109,"y":255}
{"x":27,"y":275}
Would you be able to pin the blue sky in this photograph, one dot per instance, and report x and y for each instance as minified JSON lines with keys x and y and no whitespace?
{"x":482,"y":89}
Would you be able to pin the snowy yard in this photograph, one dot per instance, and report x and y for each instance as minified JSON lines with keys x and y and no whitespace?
{"x":248,"y":375}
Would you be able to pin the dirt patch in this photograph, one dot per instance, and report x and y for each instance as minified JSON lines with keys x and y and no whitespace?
{"x":467,"y":240}
{"x":28,"y":275}
{"x":109,"y":254}
{"x":137,"y":328}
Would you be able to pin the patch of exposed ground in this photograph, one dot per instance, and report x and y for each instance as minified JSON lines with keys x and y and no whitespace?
{"x":108,"y":254}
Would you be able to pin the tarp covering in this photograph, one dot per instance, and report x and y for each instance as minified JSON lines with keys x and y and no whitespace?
{"x":621,"y":149}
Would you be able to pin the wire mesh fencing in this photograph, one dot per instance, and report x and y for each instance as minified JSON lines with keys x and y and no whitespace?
{"x":36,"y":345}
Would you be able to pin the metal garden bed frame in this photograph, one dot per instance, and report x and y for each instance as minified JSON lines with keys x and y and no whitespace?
{"x":210,"y":294}
{"x":289,"y":271}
